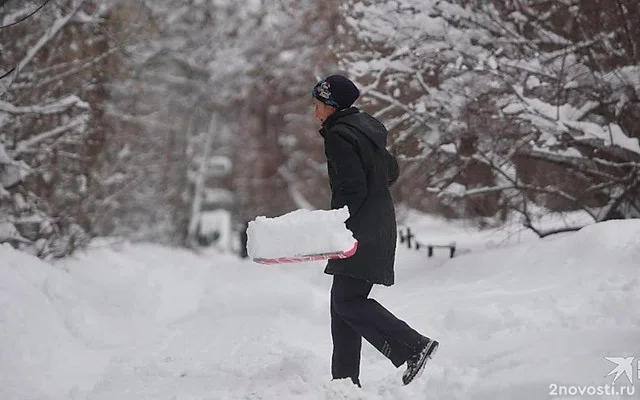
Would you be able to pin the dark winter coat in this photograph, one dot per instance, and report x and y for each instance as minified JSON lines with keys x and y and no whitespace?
{"x":360,"y":173}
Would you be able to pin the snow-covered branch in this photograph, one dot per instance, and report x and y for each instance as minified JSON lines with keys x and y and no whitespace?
{"x":50,"y":108}
{"x":26,"y":145}
{"x":73,"y":68}
{"x":44,"y":39}
{"x":396,"y":103}
{"x":461,"y":192}
{"x":571,"y":48}
{"x":580,"y":164}
{"x":542,"y":233}
{"x":18,"y":17}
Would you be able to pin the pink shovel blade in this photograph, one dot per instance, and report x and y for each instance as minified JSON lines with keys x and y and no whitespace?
{"x":309,"y":257}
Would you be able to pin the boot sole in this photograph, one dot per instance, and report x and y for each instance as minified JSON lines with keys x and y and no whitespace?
{"x":430,"y":351}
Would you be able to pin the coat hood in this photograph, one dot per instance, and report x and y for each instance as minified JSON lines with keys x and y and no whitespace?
{"x":369,"y":126}
{"x":362,"y":122}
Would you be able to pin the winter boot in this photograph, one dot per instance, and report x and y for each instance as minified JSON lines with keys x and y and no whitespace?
{"x":416,"y":363}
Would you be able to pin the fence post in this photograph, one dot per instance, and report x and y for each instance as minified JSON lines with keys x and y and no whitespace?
{"x":409,"y":237}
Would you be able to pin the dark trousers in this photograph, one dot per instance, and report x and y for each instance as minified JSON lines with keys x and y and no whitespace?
{"x":354,"y":316}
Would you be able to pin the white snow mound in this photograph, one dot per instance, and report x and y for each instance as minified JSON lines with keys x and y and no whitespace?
{"x":300,"y":232}
{"x":40,"y":356}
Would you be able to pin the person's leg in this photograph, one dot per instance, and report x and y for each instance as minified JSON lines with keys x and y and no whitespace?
{"x":347,"y":343}
{"x":368,"y":318}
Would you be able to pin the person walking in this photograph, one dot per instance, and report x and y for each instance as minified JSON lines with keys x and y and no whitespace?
{"x":361,"y":170}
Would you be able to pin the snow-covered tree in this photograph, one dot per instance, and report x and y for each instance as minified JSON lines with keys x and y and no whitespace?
{"x":49,"y":121}
{"x":510,"y":105}
{"x":217,"y":80}
{"x":279,"y":151}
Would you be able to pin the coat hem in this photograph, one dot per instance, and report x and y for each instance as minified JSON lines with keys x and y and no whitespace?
{"x":373,"y":281}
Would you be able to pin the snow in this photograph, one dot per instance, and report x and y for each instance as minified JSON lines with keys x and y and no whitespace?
{"x":628,"y":75}
{"x":56,"y":26}
{"x":27,"y":144}
{"x":125,"y":321}
{"x":568,"y":152}
{"x":40,"y":355}
{"x":217,"y":196}
{"x":454,"y":189}
{"x":533,"y":82}
{"x":438,"y":231}
{"x":13,"y":173}
{"x":4,"y":157}
{"x":449,"y":148}
{"x":610,"y":134}
{"x":9,"y":232}
{"x":566,"y":117}
{"x":217,"y":222}
{"x":300,"y":232}
{"x":51,"y":108}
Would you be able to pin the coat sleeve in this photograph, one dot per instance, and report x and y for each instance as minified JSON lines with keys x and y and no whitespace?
{"x":393,"y":169}
{"x":351,"y":177}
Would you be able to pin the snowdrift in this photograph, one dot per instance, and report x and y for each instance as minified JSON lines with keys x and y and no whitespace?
{"x":40,"y":354}
{"x":144,"y":321}
{"x":521,"y":318}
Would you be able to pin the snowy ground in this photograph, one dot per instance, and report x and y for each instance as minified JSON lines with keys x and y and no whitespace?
{"x":147,"y":322}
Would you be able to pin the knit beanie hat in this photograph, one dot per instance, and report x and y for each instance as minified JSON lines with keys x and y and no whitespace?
{"x":336,"y":91}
